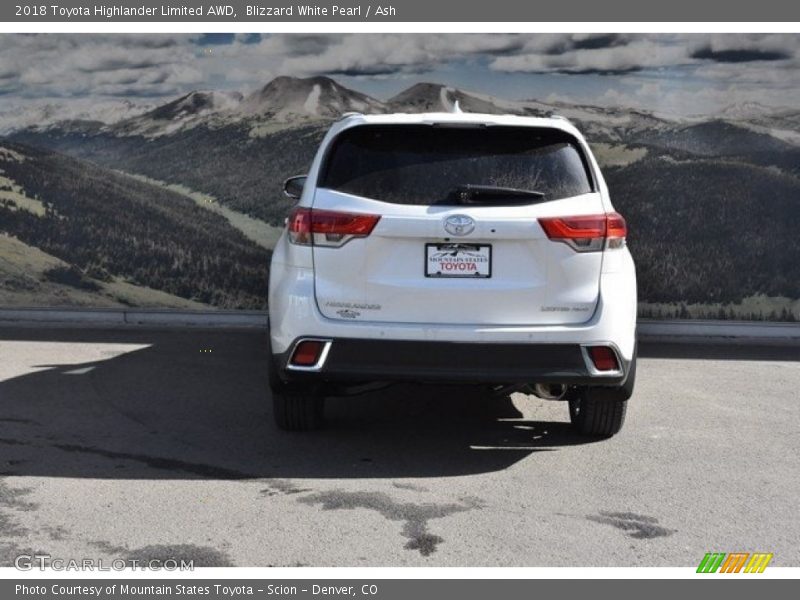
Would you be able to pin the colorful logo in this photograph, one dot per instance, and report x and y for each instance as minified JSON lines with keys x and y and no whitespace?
{"x":734,"y":562}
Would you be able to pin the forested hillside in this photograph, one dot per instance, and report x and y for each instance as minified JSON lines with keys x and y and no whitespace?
{"x":106,"y":225}
{"x":242,"y":171}
{"x":705,"y":231}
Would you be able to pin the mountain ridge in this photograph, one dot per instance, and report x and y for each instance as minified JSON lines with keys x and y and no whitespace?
{"x":287,"y":101}
{"x":284,"y":97}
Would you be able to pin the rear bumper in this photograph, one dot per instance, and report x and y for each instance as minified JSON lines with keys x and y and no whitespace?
{"x":352,"y":360}
{"x":293,"y":312}
{"x":376,"y":351}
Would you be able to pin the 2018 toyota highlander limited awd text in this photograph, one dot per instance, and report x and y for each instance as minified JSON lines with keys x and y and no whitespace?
{"x":453,"y":248}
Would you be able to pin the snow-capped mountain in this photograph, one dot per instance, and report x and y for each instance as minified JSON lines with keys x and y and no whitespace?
{"x":288,"y":101}
{"x":596,"y":121}
{"x":747,"y":110}
{"x":42,"y":114}
{"x":188,"y":110}
{"x":434,"y":97}
{"x":197,"y":103}
{"x":285,"y":98}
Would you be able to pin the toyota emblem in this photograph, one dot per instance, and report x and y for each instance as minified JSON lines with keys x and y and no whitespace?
{"x":459,"y":225}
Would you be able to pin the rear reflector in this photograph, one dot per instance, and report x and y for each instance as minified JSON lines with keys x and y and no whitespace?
{"x":604,"y":358}
{"x":306,"y":353}
{"x":587,"y":233}
{"x":308,"y":226}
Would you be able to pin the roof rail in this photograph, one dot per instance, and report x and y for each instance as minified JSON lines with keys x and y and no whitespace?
{"x":350,"y":113}
{"x":557,"y":116}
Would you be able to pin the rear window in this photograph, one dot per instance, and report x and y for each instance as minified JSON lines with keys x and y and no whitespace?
{"x":425,"y":165}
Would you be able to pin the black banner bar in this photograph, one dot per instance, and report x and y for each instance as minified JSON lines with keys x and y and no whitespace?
{"x":271,"y":11}
{"x":385,"y":589}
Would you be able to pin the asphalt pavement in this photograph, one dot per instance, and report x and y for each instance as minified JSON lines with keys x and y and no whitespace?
{"x":145,"y":444}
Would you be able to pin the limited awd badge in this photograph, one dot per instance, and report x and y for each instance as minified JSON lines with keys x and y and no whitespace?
{"x":459,"y":225}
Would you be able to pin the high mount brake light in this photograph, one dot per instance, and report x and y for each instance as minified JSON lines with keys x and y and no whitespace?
{"x":587,"y":233}
{"x":313,"y":227}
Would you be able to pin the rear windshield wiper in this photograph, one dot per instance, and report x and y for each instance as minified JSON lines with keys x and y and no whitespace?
{"x":479,"y":194}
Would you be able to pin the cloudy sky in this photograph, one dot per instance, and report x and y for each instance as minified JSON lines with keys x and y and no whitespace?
{"x":679,"y":74}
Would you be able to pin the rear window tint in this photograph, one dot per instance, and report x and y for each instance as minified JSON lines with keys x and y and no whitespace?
{"x":426,"y":165}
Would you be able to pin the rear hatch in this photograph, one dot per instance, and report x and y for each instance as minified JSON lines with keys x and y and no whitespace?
{"x":447,"y":225}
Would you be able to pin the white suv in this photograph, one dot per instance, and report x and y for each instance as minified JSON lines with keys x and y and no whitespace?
{"x":453,"y":248}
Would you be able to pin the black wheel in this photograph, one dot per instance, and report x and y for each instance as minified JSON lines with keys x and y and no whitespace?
{"x":593,"y":414}
{"x":600,"y":411}
{"x":297,"y":409}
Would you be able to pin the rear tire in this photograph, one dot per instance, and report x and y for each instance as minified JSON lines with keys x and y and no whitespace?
{"x":595,"y":415}
{"x":295,"y":407}
{"x":600,"y":411}
{"x":297,"y":410}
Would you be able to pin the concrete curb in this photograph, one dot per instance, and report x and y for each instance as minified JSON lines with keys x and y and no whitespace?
{"x":721,"y":332}
{"x":66,"y":317}
{"x":690,"y":327}
{"x":736,"y":332}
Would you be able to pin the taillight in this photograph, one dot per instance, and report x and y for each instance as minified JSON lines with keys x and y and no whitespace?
{"x":616,"y":230}
{"x":604,"y":358}
{"x":299,"y":226}
{"x":308,"y":226}
{"x":588,"y":233}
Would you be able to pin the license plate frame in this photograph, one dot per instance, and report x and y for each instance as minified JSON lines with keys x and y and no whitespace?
{"x":478,"y":255}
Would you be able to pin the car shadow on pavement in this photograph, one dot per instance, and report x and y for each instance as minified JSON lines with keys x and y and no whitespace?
{"x":194,"y":405}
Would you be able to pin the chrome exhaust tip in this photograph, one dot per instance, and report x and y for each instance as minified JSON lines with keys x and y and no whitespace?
{"x":550,"y":391}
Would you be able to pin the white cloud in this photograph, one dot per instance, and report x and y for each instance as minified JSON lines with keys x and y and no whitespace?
{"x":702,"y":68}
{"x":631,"y":52}
{"x":677,"y":100}
{"x":636,"y":55}
{"x":74,"y":65}
{"x":358,"y":54}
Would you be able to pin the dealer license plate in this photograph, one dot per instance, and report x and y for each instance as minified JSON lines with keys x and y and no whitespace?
{"x":458,"y":260}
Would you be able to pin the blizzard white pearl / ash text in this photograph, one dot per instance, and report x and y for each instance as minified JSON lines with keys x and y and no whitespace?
{"x":315,"y":10}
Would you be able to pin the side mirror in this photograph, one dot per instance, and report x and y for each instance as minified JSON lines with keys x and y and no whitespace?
{"x":293,"y":187}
